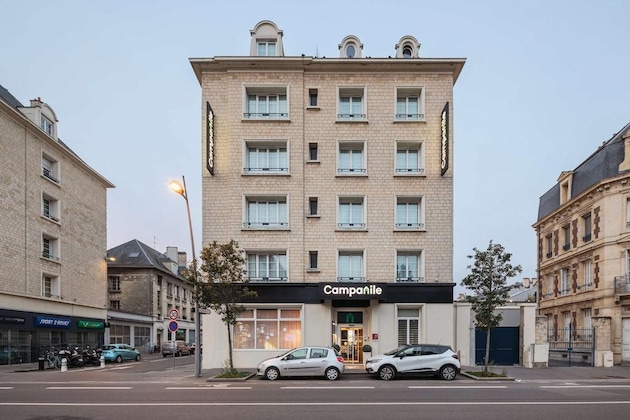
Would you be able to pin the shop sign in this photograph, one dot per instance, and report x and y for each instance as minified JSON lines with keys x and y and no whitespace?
{"x":91,"y":324}
{"x":336,"y":291}
{"x":350,"y":317}
{"x":209,"y":139}
{"x":11,"y":320}
{"x":444,"y":154}
{"x":52,"y":322}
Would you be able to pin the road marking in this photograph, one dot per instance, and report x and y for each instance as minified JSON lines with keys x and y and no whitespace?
{"x":585,"y":386}
{"x":327,"y":387}
{"x":6,"y":387}
{"x":120,"y":368}
{"x":459,"y":387}
{"x":88,"y":387}
{"x":206,"y":387}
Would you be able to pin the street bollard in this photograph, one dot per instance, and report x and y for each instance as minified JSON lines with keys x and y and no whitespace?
{"x":102,"y":359}
{"x":64,"y":365}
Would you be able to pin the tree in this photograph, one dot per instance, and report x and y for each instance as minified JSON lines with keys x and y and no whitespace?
{"x":488,"y":282}
{"x":222,"y":270}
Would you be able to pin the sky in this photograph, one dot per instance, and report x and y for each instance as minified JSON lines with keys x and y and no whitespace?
{"x":544,"y":84}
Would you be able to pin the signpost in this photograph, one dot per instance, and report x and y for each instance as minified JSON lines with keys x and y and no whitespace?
{"x":173,"y":326}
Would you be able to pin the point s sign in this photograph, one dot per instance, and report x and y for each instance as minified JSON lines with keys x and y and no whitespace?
{"x":366,"y":291}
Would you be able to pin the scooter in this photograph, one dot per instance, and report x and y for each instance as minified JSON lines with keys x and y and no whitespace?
{"x":91,"y":356}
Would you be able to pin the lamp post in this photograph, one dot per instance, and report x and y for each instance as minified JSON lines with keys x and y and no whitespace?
{"x":181,"y":190}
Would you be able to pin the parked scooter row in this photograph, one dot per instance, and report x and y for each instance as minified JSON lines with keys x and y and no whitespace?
{"x":76,"y":358}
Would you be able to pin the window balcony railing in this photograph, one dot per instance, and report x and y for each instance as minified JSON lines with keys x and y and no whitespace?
{"x":566,"y":247}
{"x":351,"y":225}
{"x":351,"y":116}
{"x":564,"y":292}
{"x":266,"y":225}
{"x":409,"y":225}
{"x":622,"y":284}
{"x":268,"y":279}
{"x":410,"y":117}
{"x":352,"y":279}
{"x":351,"y":170}
{"x":549,"y":254}
{"x":586,"y":237}
{"x":266,"y":115}
{"x":265,"y":170}
{"x":50,"y":217}
{"x":49,"y":256}
{"x":48,"y":174}
{"x":409,"y":279}
{"x":410,"y":170}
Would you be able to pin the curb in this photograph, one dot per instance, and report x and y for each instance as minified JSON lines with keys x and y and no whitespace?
{"x":487,"y":378}
{"x":217,"y":378}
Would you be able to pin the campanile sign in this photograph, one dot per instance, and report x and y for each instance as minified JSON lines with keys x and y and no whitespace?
{"x":353,"y":291}
{"x":444,"y":152}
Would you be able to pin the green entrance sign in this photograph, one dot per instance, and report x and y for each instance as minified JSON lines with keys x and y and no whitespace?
{"x":349,"y":318}
{"x":91,"y":324}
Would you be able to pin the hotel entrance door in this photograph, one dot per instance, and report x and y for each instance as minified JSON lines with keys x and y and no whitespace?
{"x":352,"y":344}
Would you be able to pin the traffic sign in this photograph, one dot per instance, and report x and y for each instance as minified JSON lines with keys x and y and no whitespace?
{"x":173,"y":326}
{"x":173,"y":314}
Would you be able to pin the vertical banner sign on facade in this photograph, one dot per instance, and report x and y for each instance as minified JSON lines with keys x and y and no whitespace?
{"x":444,"y":140}
{"x":209,"y":138}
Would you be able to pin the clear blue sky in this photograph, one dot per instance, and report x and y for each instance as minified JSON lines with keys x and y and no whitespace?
{"x":545,"y":83}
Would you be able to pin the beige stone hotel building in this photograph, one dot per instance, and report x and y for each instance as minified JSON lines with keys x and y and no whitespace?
{"x":335,"y":176}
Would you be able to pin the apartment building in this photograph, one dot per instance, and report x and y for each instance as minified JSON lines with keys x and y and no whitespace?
{"x":335,"y":176}
{"x":53,"y":236}
{"x":583,"y":232}
{"x":143,"y":286}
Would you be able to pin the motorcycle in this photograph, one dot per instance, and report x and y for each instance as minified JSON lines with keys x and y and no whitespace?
{"x":91,"y":356}
{"x":73,"y":358}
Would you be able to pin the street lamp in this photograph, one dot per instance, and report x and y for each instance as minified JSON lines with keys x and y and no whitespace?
{"x":181,"y":190}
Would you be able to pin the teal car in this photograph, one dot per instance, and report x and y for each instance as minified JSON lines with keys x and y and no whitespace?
{"x":119,"y":352}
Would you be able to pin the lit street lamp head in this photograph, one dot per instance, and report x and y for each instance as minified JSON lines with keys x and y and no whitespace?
{"x":177,"y":187}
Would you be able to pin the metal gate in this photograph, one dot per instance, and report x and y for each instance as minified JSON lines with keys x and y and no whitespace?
{"x":571,"y":346}
{"x":504,"y":345}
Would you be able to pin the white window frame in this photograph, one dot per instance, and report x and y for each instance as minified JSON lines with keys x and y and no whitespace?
{"x":356,"y":266}
{"x":588,"y":274}
{"x":410,"y":276}
{"x":351,"y":203}
{"x":265,"y":157}
{"x":564,"y":281}
{"x":113,"y":284}
{"x":50,"y":248}
{"x":265,"y":46}
{"x":250,"y":319}
{"x":549,"y":286}
{"x":406,"y":92}
{"x":47,"y":125}
{"x":357,"y":103}
{"x":271,"y":212}
{"x":50,"y":168}
{"x":263,"y":95}
{"x":50,"y":207}
{"x":263,"y":264}
{"x":404,"y":163}
{"x":51,"y":286}
{"x":587,"y":322}
{"x":407,"y":316}
{"x":408,"y":222}
{"x":347,"y":150}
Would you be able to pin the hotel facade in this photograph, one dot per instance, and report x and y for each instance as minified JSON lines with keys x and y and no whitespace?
{"x":335,"y":177}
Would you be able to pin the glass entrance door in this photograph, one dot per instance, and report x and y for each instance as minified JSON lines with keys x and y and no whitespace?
{"x":352,"y":344}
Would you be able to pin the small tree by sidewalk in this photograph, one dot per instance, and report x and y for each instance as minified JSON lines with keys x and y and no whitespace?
{"x":488,"y":282}
{"x":223,"y":271}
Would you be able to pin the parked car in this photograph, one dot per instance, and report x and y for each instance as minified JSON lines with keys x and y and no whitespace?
{"x":415,"y":358}
{"x":119,"y":352}
{"x":176,"y":348}
{"x":304,"y":361}
{"x":191,"y":347}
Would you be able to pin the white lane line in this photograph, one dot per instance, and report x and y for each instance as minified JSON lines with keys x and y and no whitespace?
{"x":584,"y":386}
{"x":6,"y":387}
{"x":327,"y":387}
{"x":88,"y":387}
{"x":206,"y":387}
{"x":459,"y":387}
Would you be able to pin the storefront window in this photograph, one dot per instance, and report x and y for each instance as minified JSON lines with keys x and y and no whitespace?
{"x":268,"y":329}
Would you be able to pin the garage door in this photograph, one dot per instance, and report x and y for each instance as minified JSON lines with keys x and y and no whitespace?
{"x":504,"y":344}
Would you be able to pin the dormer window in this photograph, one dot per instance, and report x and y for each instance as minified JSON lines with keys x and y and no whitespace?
{"x":266,"y":48}
{"x":350,"y":47}
{"x":266,"y":40}
{"x":407,"y":47}
{"x":47,"y":126}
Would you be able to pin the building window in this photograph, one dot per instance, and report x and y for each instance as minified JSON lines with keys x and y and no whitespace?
{"x":50,"y":208}
{"x":119,"y":334}
{"x":587,"y":323}
{"x":566,"y":233}
{"x":549,"y":241}
{"x":312,"y":260}
{"x":549,"y":286}
{"x":409,"y":213}
{"x":566,"y":317}
{"x":47,"y":125}
{"x":564,"y":282}
{"x":410,"y":104}
{"x":264,"y":267}
{"x":312,"y":206}
{"x":50,"y":248}
{"x":587,"y":227}
{"x":312,"y":152}
{"x":51,"y":286}
{"x":50,"y":169}
{"x":169,"y":290}
{"x":266,"y":213}
{"x":409,"y":158}
{"x":266,"y":157}
{"x":408,"y":267}
{"x":114,"y":304}
{"x":266,"y":48}
{"x":350,"y":266}
{"x":312,"y":98}
{"x":351,"y":158}
{"x":266,"y":103}
{"x":268,"y":329}
{"x":588,"y":274}
{"x":113,"y":283}
{"x":351,"y":104}
{"x":628,"y":214}
{"x":351,"y":213}
{"x":408,"y":326}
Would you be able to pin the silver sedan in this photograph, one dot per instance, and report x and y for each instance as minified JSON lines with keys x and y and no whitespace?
{"x":304,"y":361}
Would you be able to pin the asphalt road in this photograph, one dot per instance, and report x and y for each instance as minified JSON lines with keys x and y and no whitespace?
{"x":157,"y":388}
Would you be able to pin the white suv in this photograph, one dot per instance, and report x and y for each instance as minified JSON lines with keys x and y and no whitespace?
{"x":415,"y":358}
